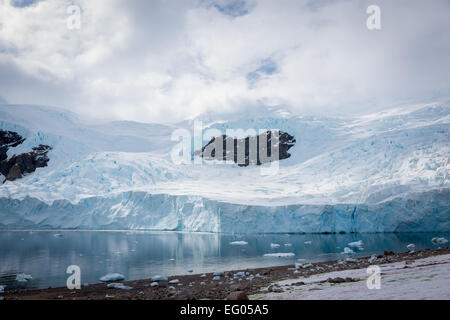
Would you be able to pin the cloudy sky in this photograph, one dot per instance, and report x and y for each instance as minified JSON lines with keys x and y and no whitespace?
{"x":168,"y":60}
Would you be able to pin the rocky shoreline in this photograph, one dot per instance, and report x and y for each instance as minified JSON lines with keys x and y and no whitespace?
{"x":232,"y":285}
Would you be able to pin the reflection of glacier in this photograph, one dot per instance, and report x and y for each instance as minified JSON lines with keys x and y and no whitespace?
{"x":140,"y":255}
{"x":378,"y":173}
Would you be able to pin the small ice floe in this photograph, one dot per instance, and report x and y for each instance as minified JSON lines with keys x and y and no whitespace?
{"x":154,"y":284}
{"x":357,"y":244}
{"x":372,"y":259}
{"x":411,"y":247}
{"x":2,"y":289}
{"x":216,"y":278}
{"x":174,"y":281}
{"x":190,"y":270}
{"x":288,"y":244}
{"x":347,"y":250}
{"x":239,"y":274}
{"x":274,"y":245}
{"x":251,"y":277}
{"x":239,"y":243}
{"x":172,"y":288}
{"x":280,"y":255}
{"x":307,"y":242}
{"x":119,"y":286}
{"x":218,"y":274}
{"x":305,"y":266}
{"x":437,"y":240}
{"x":203,"y":276}
{"x":110,"y":277}
{"x":351,"y":260}
{"x":257,"y":275}
{"x":22,"y":277}
{"x":159,"y":278}
{"x":172,"y":260}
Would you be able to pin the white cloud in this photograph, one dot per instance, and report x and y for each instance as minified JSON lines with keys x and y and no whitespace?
{"x":169,"y":60}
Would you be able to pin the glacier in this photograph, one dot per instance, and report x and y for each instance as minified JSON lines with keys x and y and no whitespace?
{"x":382,"y":172}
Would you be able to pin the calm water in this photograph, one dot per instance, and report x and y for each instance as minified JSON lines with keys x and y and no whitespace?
{"x":140,"y":255}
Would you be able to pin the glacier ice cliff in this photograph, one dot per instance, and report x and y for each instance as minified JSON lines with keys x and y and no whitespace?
{"x":384,"y":172}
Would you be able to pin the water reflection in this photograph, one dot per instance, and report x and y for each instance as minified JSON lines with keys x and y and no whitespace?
{"x":140,"y":255}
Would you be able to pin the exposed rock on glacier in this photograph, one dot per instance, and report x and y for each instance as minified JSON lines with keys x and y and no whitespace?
{"x":255,"y":150}
{"x":19,"y":165}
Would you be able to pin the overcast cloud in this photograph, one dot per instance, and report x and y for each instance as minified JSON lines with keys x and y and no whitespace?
{"x":168,"y":60}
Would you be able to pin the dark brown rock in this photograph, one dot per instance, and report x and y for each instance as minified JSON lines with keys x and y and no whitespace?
{"x":237,"y":295}
{"x":14,"y":173}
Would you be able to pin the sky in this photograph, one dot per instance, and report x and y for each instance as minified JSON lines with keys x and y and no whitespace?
{"x":170,"y":60}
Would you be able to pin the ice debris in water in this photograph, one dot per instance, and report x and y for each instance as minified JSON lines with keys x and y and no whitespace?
{"x":357,"y":244}
{"x":154,"y":284}
{"x":58,"y":235}
{"x":280,"y":255}
{"x":22,"y":277}
{"x":119,"y":286}
{"x":347,"y":250}
{"x":288,"y":244}
{"x":216,"y":278}
{"x":239,"y":274}
{"x":2,"y":289}
{"x":174,"y":281}
{"x":218,"y":273}
{"x":411,"y":247}
{"x":351,"y":260}
{"x":307,"y":242}
{"x":239,"y":243}
{"x":159,"y":278}
{"x":112,"y":277}
{"x":437,"y":240}
{"x":274,"y":245}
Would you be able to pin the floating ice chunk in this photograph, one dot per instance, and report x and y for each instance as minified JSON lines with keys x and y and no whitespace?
{"x":22,"y":277}
{"x":172,"y":259}
{"x":274,"y":245}
{"x":239,"y":274}
{"x":298,"y":265}
{"x":154,"y":284}
{"x":216,"y":278}
{"x":347,"y":250}
{"x":305,"y":266}
{"x":358,"y":243}
{"x":239,"y":243}
{"x":174,"y":281}
{"x":437,"y":240}
{"x":58,"y":235}
{"x":307,"y":242}
{"x":112,"y":277}
{"x":288,"y":244}
{"x":190,"y":270}
{"x":172,"y":288}
{"x":159,"y":278}
{"x":351,"y":260}
{"x":119,"y":286}
{"x":203,"y":276}
{"x":218,"y":273}
{"x":411,"y":247}
{"x":280,"y":255}
{"x":2,"y":289}
{"x":372,"y":259}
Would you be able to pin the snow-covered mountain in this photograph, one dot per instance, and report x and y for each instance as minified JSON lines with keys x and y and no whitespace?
{"x":376,"y":173}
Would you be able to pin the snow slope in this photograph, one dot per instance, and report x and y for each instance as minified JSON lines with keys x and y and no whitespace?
{"x":377,"y":173}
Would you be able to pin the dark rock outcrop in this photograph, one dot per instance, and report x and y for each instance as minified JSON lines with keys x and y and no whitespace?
{"x":21,"y":164}
{"x":255,"y":150}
